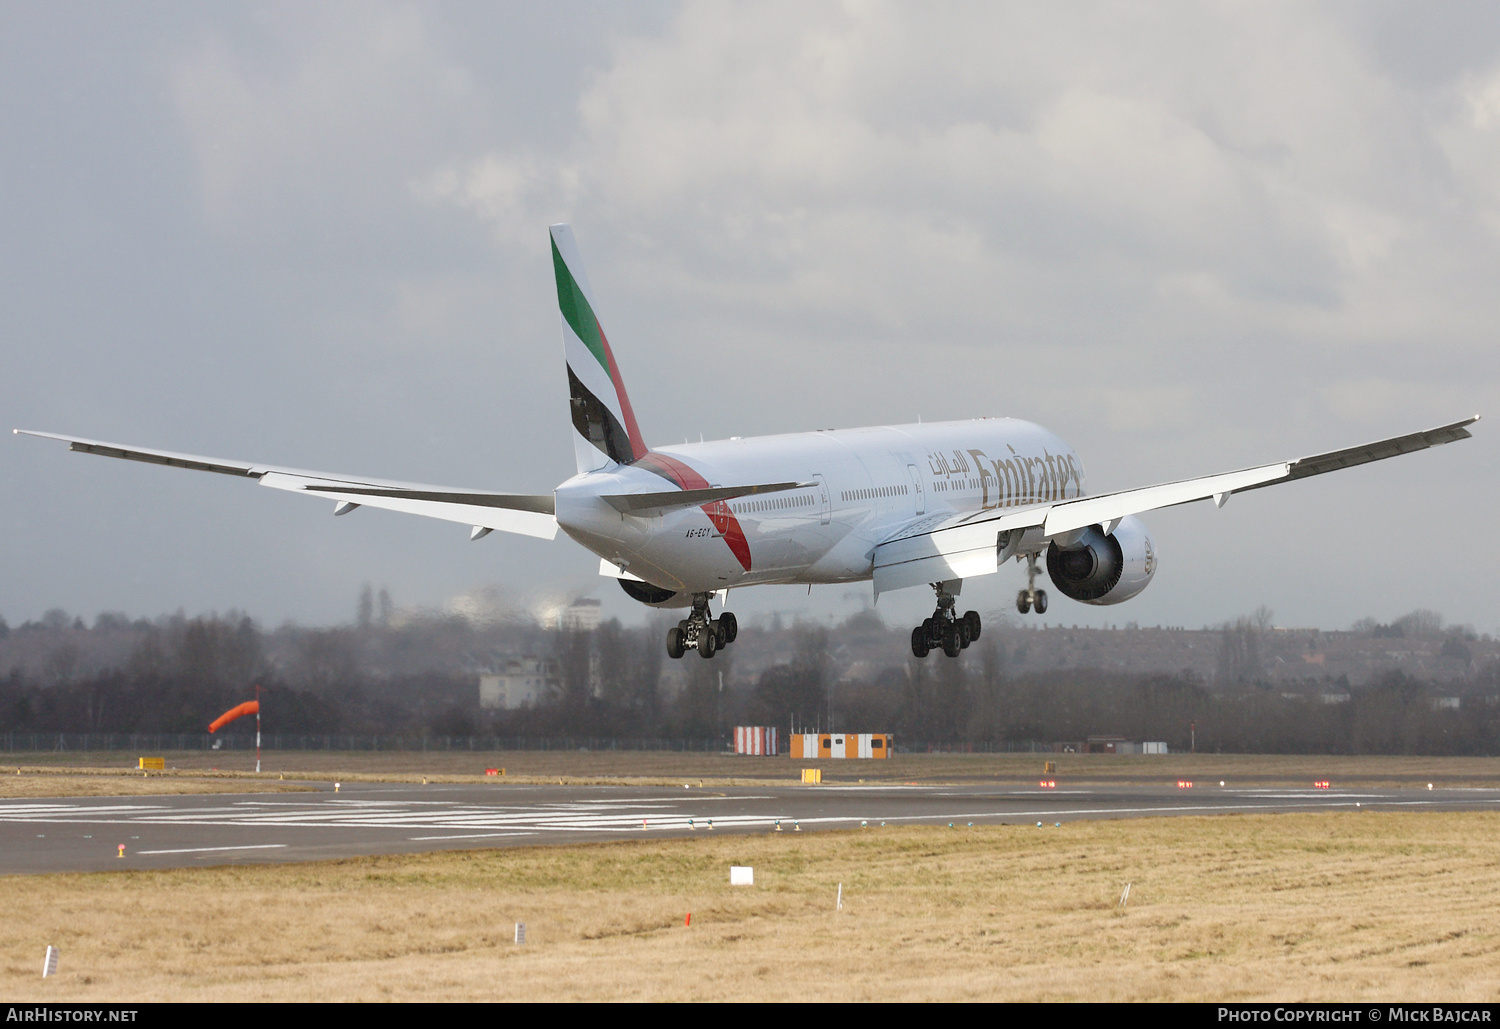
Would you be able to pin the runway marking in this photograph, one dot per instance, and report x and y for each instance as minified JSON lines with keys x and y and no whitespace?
{"x":446,"y":820}
{"x":1302,"y":794}
{"x":471,"y":836}
{"x":201,"y":850}
{"x":27,"y":809}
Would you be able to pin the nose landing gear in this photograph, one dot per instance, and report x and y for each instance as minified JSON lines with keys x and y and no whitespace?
{"x":1031,"y":597}
{"x":698,"y":631}
{"x":946,"y":629}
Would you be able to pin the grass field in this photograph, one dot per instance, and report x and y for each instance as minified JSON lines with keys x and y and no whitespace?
{"x":55,"y":774}
{"x":1357,"y":906}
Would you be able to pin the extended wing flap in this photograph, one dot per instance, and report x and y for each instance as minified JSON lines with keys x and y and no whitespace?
{"x":508,"y":512}
{"x":937,"y":549}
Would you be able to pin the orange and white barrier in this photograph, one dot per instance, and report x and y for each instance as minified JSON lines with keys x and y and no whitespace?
{"x":755,"y":740}
{"x":837,"y":744}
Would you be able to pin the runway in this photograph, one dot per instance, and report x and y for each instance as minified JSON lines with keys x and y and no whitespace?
{"x":84,"y":834}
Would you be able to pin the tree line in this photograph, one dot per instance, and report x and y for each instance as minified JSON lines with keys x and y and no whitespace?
{"x":174,"y":674}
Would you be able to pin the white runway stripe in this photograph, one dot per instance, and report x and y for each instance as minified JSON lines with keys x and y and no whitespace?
{"x":206,"y":850}
{"x":470,"y":836}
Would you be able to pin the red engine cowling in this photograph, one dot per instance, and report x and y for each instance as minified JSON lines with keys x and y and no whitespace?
{"x":1101,"y":569}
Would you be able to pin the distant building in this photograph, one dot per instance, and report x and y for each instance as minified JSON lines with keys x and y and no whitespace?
{"x":521,"y":682}
{"x":580,"y":616}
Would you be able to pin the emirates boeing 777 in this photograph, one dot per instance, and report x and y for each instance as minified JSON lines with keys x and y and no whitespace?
{"x":900,"y":505}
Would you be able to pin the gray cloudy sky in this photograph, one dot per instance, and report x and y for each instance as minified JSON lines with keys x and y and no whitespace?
{"x":1186,"y":237}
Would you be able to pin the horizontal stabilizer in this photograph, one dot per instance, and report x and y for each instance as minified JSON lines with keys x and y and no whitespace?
{"x":631,"y":503}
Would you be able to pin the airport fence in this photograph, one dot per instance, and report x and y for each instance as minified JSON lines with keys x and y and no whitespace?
{"x":86,"y":743}
{"x":978,"y":747}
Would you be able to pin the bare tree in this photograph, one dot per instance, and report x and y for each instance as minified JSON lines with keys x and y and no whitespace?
{"x":366,"y":611}
{"x":1421,"y":622}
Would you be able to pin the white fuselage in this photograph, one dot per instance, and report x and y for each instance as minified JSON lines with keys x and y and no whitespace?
{"x":867,"y":484}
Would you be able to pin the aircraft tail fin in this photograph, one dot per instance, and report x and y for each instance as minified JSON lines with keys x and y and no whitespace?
{"x":604,"y":427}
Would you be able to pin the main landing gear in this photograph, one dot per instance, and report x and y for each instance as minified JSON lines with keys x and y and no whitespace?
{"x":945,"y":629}
{"x":698,"y":630}
{"x":1031,"y":597}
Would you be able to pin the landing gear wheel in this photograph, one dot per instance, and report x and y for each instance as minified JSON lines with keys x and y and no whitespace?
{"x":1023,"y":602}
{"x":730,"y":627}
{"x":674,"y":643}
{"x":952,"y":639}
{"x":1041,"y":602}
{"x":708,"y":641}
{"x":919,"y":646}
{"x":964,"y":639}
{"x":971,"y":618}
{"x":721,"y":634}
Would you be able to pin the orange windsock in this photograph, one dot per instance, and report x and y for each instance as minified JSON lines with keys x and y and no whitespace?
{"x":249,"y":707}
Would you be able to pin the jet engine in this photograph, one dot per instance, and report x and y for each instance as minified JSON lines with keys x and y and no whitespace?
{"x":654,"y":596}
{"x":1100,"y":569}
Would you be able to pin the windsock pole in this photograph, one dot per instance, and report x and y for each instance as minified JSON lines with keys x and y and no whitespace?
{"x":257,"y":728}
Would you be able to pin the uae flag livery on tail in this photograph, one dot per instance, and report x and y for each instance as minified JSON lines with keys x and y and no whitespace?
{"x":604,"y":425}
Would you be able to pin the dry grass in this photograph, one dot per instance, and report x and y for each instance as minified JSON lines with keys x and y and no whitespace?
{"x":1359,"y":906}
{"x":666,"y":767}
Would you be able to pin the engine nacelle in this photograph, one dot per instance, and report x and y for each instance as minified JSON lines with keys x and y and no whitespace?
{"x":1101,"y":569}
{"x":654,"y":596}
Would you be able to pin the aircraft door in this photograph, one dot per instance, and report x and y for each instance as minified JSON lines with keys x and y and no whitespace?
{"x":916,"y":487}
{"x":825,"y":501}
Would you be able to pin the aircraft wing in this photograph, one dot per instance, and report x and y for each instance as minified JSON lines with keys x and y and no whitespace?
{"x":937,"y":548}
{"x":508,"y":512}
